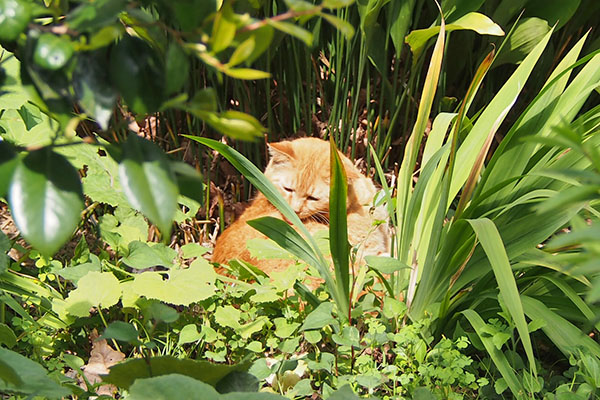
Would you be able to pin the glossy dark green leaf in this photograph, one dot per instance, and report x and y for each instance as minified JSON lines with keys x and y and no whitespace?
{"x":137,"y":74}
{"x":177,"y":68}
{"x":124,"y":374}
{"x":92,"y":87}
{"x":52,"y":52}
{"x":237,"y":381}
{"x":8,"y":163}
{"x":121,"y":331}
{"x":46,"y":199}
{"x":189,"y":181}
{"x":191,"y":13}
{"x":32,"y":377}
{"x":92,"y":15}
{"x":48,"y":89}
{"x":148,"y":182}
{"x":14,"y":17}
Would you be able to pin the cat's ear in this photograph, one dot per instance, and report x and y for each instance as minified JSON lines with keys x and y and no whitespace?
{"x":352,"y":172}
{"x":281,"y":152}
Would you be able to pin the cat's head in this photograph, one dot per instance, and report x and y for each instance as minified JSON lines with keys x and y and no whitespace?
{"x":300,"y":170}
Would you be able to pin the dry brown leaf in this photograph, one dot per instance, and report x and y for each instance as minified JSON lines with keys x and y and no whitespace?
{"x":102,"y":357}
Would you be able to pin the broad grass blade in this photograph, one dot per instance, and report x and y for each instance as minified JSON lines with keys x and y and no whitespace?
{"x":338,"y":224}
{"x":494,"y":248}
{"x":566,"y":336}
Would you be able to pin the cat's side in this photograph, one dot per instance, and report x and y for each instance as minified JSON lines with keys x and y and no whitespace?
{"x":300,"y":169}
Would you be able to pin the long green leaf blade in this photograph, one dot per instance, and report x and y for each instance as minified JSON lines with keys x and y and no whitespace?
{"x":494,"y":248}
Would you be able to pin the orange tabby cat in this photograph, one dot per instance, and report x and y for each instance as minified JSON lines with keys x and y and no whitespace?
{"x":300,"y":169}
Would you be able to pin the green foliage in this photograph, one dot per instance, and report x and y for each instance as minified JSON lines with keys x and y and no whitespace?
{"x":494,"y":210}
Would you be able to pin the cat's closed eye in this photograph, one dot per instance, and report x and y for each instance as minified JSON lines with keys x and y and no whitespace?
{"x":288,"y":189}
{"x":312,"y":198}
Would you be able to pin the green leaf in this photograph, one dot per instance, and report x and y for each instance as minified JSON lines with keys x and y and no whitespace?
{"x":341,"y":25}
{"x":52,"y":52}
{"x":527,"y":34}
{"x":148,"y":182}
{"x":8,"y":163}
{"x":124,"y":374}
{"x":31,"y":115}
{"x":263,"y":37}
{"x":192,"y":250}
{"x":32,"y":379}
{"x":46,"y":199}
{"x":121,"y":331}
{"x":242,"y":52}
{"x":75,"y":273}
{"x":319,"y":317}
{"x":399,"y":20}
{"x":246,"y":73}
{"x":154,"y":309}
{"x":189,"y":334}
{"x":7,"y":336}
{"x":490,"y":240}
{"x":506,"y":370}
{"x":385,"y":265}
{"x":336,"y":3}
{"x":189,"y":181}
{"x":92,"y":87}
{"x":266,"y":249}
{"x":177,"y":68}
{"x":143,"y":256}
{"x":338,"y":224}
{"x":137,"y":74}
{"x":556,"y":12}
{"x":224,"y":28}
{"x":234,"y":124}
{"x":228,"y":317}
{"x":566,"y":336}
{"x":14,"y":17}
{"x":474,"y":21}
{"x":293,"y":30}
{"x":238,"y":381}
{"x":344,"y":393}
{"x":95,"y":289}
{"x":191,"y":13}
{"x":90,"y":16}
{"x":183,"y":286}
{"x":286,"y":237}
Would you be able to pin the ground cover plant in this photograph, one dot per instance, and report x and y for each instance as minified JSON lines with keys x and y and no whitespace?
{"x":131,"y":129}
